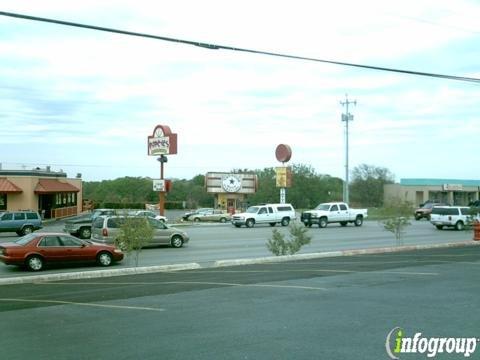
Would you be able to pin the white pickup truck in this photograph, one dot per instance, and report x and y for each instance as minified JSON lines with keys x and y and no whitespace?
{"x":333,"y":212}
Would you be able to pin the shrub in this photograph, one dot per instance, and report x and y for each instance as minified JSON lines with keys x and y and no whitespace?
{"x":396,"y":219}
{"x":298,"y":237}
{"x":135,"y":233}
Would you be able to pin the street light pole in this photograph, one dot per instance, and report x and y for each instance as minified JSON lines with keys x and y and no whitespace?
{"x":347,"y":117}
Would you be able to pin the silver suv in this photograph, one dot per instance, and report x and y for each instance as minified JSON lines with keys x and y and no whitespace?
{"x":105,"y":229}
{"x":450,"y":216}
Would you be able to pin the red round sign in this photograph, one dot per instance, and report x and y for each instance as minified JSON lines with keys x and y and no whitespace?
{"x":283,"y":153}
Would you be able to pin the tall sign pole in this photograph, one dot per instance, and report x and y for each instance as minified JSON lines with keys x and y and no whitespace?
{"x":347,"y":117}
{"x":283,"y":154}
{"x":161,"y":143}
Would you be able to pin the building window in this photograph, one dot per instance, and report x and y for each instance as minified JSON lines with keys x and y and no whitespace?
{"x":3,"y":201}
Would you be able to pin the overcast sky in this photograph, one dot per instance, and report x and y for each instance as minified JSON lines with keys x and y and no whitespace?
{"x":85,"y":101}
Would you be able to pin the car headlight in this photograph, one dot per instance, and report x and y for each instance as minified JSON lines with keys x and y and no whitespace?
{"x":118,"y":251}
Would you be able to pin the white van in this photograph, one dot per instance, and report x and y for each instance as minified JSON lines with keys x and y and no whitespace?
{"x":265,"y":214}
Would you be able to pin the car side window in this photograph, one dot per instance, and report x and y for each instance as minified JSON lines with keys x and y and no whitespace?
{"x":7,"y":217}
{"x":113,"y":223}
{"x":263,"y":211}
{"x":19,"y":216}
{"x":334,"y":208}
{"x":343,"y":207}
{"x":32,"y":216}
{"x":156,"y":224}
{"x":270,"y":210}
{"x":50,"y":241}
{"x":68,"y":241}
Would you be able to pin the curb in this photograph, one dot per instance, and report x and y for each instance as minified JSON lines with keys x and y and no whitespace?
{"x":223,"y":263}
{"x":98,"y":273}
{"x":385,"y":250}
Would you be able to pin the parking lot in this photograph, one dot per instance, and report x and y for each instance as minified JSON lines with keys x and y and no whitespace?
{"x":335,"y":308}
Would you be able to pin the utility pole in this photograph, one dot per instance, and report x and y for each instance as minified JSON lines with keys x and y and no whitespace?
{"x":347,"y":117}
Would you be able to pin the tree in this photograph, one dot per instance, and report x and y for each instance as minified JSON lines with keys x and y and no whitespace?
{"x":366,"y":187}
{"x":135,"y":233}
{"x":396,"y":218}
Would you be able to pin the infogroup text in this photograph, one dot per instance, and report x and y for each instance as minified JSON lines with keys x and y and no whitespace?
{"x":397,"y":343}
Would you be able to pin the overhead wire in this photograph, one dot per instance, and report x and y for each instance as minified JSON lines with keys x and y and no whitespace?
{"x":212,"y":46}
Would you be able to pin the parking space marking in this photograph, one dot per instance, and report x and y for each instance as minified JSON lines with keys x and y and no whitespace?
{"x":329,"y":270}
{"x":186,"y":283}
{"x":58,"y":302}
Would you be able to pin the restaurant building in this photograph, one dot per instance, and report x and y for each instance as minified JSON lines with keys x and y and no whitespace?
{"x":230,"y":189}
{"x":50,"y":193}
{"x":418,"y":191}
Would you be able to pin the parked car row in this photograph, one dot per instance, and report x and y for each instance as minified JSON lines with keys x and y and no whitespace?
{"x":81,"y":226}
{"x":34,"y":250}
{"x":207,"y":214}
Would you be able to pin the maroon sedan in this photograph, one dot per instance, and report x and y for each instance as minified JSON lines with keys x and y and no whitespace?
{"x":36,"y":249}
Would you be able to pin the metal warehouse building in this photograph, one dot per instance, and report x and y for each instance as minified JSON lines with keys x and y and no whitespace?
{"x":417,"y":191}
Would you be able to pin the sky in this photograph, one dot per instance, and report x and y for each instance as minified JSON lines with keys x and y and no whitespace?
{"x":84,"y":101}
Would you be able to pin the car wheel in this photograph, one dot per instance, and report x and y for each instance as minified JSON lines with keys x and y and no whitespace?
{"x":27,"y":230}
{"x":273,"y":224}
{"x":85,"y":233}
{"x":196,"y":219}
{"x":343,"y":223}
{"x":459,"y":225}
{"x":250,"y":223}
{"x":223,"y":220}
{"x":237,"y":225}
{"x":104,"y":259}
{"x":34,"y":263}
{"x":322,"y":223}
{"x":285,"y":221}
{"x":359,"y":221}
{"x":417,"y":217}
{"x":177,"y":241}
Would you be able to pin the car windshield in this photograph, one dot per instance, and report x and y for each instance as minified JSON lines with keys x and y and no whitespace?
{"x":24,"y":240}
{"x":252,"y":209}
{"x":323,"y":207}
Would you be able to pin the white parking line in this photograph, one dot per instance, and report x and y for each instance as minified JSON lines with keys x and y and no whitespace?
{"x":186,"y":283}
{"x":121,"y":307}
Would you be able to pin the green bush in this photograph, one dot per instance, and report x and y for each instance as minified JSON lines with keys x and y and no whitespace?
{"x":299,"y":236}
{"x":135,"y":233}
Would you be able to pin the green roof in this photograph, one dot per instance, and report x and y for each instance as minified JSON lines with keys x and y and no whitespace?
{"x":435,"y":182}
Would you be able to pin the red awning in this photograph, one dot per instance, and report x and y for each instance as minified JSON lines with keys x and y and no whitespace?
{"x":49,"y":186}
{"x":7,"y":186}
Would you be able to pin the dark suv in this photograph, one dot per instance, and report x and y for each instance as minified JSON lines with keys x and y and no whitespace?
{"x":426,"y":210}
{"x":21,"y":222}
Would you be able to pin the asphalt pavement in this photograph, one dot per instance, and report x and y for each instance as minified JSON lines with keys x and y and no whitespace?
{"x":326,"y":308}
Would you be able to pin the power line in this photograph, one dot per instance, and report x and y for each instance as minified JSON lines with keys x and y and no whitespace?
{"x":230,"y":48}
